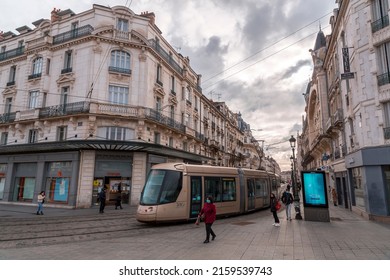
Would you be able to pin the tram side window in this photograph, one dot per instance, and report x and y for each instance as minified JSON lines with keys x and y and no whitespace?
{"x":261,"y":187}
{"x":228,"y":189}
{"x":212,"y":187}
{"x":250,"y":184}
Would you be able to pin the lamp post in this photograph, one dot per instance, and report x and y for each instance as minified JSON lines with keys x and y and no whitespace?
{"x":297,"y":207}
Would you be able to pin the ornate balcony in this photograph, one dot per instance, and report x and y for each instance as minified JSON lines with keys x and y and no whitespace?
{"x":11,"y":53}
{"x":73,"y":34}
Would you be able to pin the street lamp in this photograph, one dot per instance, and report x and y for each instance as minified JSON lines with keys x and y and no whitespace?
{"x":297,"y":207}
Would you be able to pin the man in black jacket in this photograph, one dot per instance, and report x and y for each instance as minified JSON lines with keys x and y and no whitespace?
{"x":288,"y":199}
{"x":102,"y":199}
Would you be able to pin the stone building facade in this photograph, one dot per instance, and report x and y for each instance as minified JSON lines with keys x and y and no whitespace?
{"x":95,"y":99}
{"x":346,"y":130}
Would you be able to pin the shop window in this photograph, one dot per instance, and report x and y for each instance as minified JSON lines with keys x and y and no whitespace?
{"x":57,"y":189}
{"x":2,"y":183}
{"x":358,"y":187}
{"x":24,"y":189}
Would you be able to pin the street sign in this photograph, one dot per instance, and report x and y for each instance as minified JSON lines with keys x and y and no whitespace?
{"x":348,"y":75}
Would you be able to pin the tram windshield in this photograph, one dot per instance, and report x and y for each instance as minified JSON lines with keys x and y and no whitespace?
{"x":162,"y":186}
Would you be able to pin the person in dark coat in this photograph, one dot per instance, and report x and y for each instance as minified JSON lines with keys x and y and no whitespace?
{"x":274,"y":201}
{"x":118,"y":201}
{"x":210,"y":213}
{"x":102,"y":200}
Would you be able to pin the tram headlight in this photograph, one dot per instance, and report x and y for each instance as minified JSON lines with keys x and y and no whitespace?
{"x":147,"y":210}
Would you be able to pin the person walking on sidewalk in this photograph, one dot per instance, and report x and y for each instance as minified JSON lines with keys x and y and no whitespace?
{"x":274,"y":211}
{"x":41,"y":200}
{"x":334,"y":196}
{"x":210,"y":213}
{"x":102,"y":200}
{"x":288,"y":199}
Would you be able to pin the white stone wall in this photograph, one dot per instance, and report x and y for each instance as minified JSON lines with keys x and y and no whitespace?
{"x":86,"y":176}
{"x":139,"y":176}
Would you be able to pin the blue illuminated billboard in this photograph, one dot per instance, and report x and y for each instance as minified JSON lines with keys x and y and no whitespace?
{"x":314,"y":189}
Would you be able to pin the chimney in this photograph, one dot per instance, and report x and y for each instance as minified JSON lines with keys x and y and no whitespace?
{"x":54,"y":15}
{"x":1,"y":36}
{"x":151,"y":16}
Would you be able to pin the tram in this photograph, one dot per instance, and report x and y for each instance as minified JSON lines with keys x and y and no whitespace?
{"x":177,"y":191}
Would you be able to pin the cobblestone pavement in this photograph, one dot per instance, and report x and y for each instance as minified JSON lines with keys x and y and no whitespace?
{"x":248,"y":237}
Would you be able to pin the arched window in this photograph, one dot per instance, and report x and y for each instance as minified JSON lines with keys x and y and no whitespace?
{"x":120,"y":62}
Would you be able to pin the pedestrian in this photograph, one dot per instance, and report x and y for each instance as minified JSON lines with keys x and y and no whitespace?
{"x":102,"y":199}
{"x":334,"y":196}
{"x":41,"y":200}
{"x":210,"y":213}
{"x":274,"y":211}
{"x":288,"y":199}
{"x":118,"y":200}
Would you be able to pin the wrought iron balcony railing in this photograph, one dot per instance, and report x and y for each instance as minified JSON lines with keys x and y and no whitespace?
{"x":166,"y":56}
{"x":64,"y":109}
{"x":12,"y":53}
{"x":160,"y":118}
{"x":383,"y":79}
{"x":119,"y":70}
{"x":7,"y":117}
{"x":73,"y":34}
{"x":380,"y":24}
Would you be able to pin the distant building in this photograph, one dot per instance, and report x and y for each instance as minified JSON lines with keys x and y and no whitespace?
{"x":95,"y":99}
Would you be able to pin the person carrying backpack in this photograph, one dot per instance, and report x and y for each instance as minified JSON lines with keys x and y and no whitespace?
{"x":288,"y":199}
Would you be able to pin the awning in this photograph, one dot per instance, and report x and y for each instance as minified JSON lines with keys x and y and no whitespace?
{"x":106,"y":145}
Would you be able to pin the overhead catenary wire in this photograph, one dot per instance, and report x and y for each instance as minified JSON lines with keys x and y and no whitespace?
{"x":128,"y":2}
{"x":269,"y":46}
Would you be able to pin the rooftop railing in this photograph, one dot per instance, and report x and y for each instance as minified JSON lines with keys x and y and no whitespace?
{"x":73,"y":34}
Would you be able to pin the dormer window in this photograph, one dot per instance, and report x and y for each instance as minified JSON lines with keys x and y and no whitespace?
{"x":122,"y":25}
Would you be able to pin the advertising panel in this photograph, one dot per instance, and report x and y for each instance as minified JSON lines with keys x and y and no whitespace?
{"x":314,"y":189}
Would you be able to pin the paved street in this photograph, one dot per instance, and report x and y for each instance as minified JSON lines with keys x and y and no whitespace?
{"x":247,"y":237}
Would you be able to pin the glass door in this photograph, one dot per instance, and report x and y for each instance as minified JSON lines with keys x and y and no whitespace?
{"x":251,"y":194}
{"x":196,"y":196}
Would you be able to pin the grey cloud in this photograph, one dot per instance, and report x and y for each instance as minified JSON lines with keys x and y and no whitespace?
{"x":294,"y":69}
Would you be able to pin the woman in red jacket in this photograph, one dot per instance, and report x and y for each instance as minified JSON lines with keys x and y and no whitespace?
{"x":209,"y":211}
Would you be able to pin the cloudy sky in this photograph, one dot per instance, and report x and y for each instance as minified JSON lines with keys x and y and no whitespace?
{"x":252,"y":54}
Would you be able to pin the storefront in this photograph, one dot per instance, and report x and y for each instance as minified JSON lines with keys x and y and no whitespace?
{"x":368,"y":177}
{"x":73,"y":173}
{"x":114,"y":172}
{"x":3,"y":172}
{"x":23,"y":177}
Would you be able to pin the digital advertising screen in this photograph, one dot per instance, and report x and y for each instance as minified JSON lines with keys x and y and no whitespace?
{"x":314,"y":189}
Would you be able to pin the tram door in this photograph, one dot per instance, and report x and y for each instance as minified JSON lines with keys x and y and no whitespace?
{"x":250,"y":183}
{"x":196,"y":196}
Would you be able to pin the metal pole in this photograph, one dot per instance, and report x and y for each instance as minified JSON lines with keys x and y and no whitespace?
{"x":297,"y":207}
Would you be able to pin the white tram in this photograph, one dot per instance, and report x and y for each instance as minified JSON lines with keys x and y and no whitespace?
{"x":177,"y":191}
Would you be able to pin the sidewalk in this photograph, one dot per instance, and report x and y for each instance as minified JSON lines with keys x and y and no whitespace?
{"x":249,"y":237}
{"x":29,"y":211}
